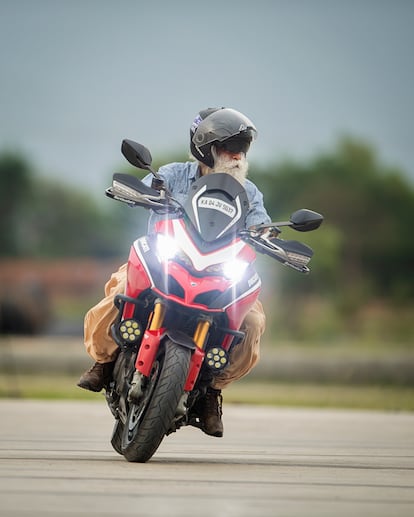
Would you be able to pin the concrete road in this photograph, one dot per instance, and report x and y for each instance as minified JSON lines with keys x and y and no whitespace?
{"x":56,"y":460}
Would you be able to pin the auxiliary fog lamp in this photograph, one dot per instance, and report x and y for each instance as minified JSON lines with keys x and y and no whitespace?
{"x":130,"y":330}
{"x":217,"y":358}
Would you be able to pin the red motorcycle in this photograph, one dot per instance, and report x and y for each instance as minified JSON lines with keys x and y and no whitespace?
{"x":190,"y":283}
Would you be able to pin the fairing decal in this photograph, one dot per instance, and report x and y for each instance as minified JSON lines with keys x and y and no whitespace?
{"x":234,"y":220}
{"x":194,"y":203}
{"x":199,"y":260}
{"x":141,"y":246}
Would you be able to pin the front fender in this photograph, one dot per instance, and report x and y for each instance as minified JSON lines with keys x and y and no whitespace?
{"x":181,"y":339}
{"x":197,"y":355}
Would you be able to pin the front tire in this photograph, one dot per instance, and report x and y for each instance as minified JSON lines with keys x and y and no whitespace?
{"x":149,"y":421}
{"x":116,"y":439}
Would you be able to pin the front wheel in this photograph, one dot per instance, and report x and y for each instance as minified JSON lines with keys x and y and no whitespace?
{"x":149,"y":421}
{"x":116,"y":439}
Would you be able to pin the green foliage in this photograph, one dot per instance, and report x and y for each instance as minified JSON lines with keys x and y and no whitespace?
{"x":44,"y":218}
{"x":15,"y":191}
{"x":368,"y":210}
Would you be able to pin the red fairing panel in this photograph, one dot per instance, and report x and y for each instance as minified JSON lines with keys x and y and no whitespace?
{"x":247,"y":253}
{"x":236,"y":314}
{"x":238,"y":310}
{"x":164,"y":226}
{"x":137,"y":280}
{"x":196,"y":285}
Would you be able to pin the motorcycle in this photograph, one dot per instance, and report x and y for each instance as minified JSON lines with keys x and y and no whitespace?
{"x":190,"y":284}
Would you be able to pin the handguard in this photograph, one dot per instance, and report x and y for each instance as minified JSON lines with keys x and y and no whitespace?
{"x":134,"y":192}
{"x":293,"y":254}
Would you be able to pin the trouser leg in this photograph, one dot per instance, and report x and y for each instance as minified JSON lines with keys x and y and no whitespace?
{"x":246,"y":354}
{"x":98,"y":320}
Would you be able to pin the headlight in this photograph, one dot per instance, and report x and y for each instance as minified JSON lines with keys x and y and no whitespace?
{"x":166,"y":247}
{"x":235,"y":269}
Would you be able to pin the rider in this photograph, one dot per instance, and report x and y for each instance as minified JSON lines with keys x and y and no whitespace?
{"x":219,"y":141}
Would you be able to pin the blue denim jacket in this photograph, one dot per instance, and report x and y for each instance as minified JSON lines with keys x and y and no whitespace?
{"x":178,"y":179}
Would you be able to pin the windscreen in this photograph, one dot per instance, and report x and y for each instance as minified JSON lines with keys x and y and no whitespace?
{"x":217,"y":206}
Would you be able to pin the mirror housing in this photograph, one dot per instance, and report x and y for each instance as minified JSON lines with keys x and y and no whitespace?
{"x":302,"y":220}
{"x":305,"y":220}
{"x":136,"y":154}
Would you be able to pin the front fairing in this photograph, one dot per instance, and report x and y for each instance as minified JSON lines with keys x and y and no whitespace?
{"x":195,"y":280}
{"x":205,"y":235}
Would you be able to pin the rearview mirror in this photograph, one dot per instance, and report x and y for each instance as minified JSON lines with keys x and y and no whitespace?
{"x":137,"y":154}
{"x":304,"y":220}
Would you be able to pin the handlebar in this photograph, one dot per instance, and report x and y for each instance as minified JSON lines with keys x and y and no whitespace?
{"x":264,"y":237}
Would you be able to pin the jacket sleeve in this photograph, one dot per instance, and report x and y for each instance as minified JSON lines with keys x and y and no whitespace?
{"x":257,"y":212}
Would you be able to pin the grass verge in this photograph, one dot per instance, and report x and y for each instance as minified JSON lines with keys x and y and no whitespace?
{"x":374,"y":397}
{"x":389,"y":398}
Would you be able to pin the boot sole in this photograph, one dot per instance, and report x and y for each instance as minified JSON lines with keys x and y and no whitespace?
{"x":88,"y":387}
{"x":216,"y":434}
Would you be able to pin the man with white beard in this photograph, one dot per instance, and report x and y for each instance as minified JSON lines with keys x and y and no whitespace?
{"x":219,"y":141}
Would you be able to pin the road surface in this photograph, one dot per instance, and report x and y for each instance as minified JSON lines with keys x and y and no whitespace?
{"x":56,"y":460}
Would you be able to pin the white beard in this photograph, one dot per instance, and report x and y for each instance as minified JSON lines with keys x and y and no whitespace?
{"x":236,"y":168}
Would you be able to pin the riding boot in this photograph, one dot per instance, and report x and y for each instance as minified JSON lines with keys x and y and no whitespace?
{"x":97,"y":377}
{"x":211,"y":413}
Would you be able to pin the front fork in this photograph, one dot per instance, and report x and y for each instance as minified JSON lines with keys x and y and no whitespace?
{"x":149,"y":348}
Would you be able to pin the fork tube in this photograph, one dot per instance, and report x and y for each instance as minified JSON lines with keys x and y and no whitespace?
{"x":157,"y":318}
{"x":201,"y":332}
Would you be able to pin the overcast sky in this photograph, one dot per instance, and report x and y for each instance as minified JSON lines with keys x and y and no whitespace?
{"x":78,"y":76}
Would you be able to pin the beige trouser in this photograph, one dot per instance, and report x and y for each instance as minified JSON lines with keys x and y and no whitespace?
{"x":101,"y":347}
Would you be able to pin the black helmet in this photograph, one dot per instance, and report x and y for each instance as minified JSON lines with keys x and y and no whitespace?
{"x":223,"y":127}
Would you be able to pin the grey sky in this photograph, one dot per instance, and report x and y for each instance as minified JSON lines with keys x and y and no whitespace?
{"x":78,"y":76}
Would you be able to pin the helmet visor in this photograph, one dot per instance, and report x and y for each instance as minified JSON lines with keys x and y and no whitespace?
{"x":235,"y":145}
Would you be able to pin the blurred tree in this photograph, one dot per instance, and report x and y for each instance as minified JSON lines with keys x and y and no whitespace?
{"x":368,"y":209}
{"x":15,"y":191}
{"x":43,"y":218}
{"x":62,"y":222}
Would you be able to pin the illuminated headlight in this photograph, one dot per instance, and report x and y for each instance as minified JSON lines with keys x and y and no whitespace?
{"x":217,"y":358}
{"x":235,"y":269}
{"x":130,"y":330}
{"x":167,"y":248}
